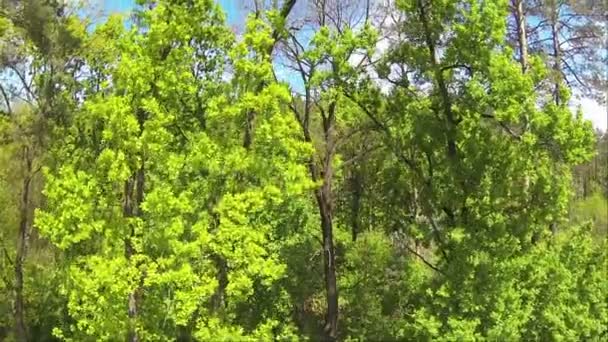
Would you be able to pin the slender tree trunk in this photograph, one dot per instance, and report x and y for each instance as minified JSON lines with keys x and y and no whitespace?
{"x":323,"y":196}
{"x":250,"y":121}
{"x":556,"y":51}
{"x":557,"y":72}
{"x":129,"y":252}
{"x":520,"y":20}
{"x":522,"y":42}
{"x":131,"y":208}
{"x":329,"y":266}
{"x":450,"y":120}
{"x":132,"y":334}
{"x":219,"y":300}
{"x":323,"y":171}
{"x":324,"y":201}
{"x":24,"y":228}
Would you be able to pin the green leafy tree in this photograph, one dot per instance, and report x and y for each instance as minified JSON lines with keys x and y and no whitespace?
{"x":336,"y":170}
{"x":327,"y":120}
{"x":167,"y":221}
{"x":40,"y":43}
{"x":489,"y":159}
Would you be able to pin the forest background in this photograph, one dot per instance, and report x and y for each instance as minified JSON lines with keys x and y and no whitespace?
{"x":303,"y":170}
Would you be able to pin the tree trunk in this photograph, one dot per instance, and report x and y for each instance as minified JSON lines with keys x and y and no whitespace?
{"x":323,"y":196}
{"x":357,"y":189}
{"x":522,"y":41}
{"x":218,"y":300}
{"x":324,"y":201}
{"x":557,"y":71}
{"x":129,"y":251}
{"x":329,"y":265}
{"x":450,"y":119}
{"x":556,"y":51}
{"x":131,"y":208}
{"x":520,"y":20}
{"x":24,"y":228}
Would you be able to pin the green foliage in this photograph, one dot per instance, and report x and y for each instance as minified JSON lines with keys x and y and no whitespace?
{"x":381,"y":285}
{"x":174,"y":195}
{"x":168,"y":113}
{"x":595,"y":209}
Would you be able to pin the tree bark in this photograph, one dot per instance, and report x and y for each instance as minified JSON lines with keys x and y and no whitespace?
{"x":520,"y":21}
{"x":219,"y":300}
{"x":522,"y":41}
{"x":556,"y":51}
{"x":324,"y":201}
{"x":24,"y":228}
{"x":129,"y":252}
{"x":329,"y":265}
{"x":133,"y":198}
{"x":323,"y":196}
{"x":450,"y":120}
{"x":558,"y":72}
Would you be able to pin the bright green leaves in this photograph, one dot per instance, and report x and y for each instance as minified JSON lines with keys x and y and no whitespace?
{"x":379,"y":281}
{"x":164,"y":123}
{"x":258,"y":37}
{"x":479,"y":27}
{"x":5,"y":26}
{"x":120,"y":126}
{"x":569,"y":138}
{"x":242,"y":238}
{"x":183,"y":179}
{"x":570,"y":301}
{"x":511,"y":97}
{"x":98,"y":286}
{"x":485,"y":209}
{"x":337,"y":52}
{"x":73,"y":195}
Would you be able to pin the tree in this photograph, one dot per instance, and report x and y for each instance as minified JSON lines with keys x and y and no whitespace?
{"x":39,"y":43}
{"x":336,"y":170}
{"x":468,"y":128}
{"x":167,"y":221}
{"x":567,"y":34}
{"x":322,"y":65}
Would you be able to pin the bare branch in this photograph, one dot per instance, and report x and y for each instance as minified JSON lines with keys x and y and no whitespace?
{"x":503,"y":125}
{"x":6,"y":100}
{"x":24,"y":82}
{"x":435,"y":268}
{"x":574,"y":74}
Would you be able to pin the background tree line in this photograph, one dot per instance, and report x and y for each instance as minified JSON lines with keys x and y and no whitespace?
{"x":336,"y":170}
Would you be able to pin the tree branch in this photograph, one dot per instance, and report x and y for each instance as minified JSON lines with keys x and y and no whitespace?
{"x":6,"y":100}
{"x":503,"y":125}
{"x":426,"y":262}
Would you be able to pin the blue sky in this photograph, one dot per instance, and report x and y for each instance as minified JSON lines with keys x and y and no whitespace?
{"x":233,"y":8}
{"x":118,"y":5}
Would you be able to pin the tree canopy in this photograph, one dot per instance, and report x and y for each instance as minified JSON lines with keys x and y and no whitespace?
{"x":332,"y":171}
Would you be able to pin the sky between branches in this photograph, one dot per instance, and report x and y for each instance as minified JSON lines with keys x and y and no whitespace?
{"x":235,"y":14}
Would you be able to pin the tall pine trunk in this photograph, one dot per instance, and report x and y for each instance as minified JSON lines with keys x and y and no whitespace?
{"x":522,"y":38}
{"x":554,"y":8}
